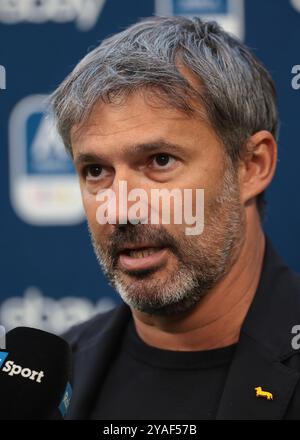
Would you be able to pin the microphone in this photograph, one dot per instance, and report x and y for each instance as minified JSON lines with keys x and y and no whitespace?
{"x":34,"y":372}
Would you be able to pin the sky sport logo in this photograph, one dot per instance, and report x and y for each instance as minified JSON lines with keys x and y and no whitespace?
{"x":13,"y":369}
{"x":3,"y":356}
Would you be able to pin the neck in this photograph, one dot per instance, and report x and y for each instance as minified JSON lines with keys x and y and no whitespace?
{"x":217,"y":319}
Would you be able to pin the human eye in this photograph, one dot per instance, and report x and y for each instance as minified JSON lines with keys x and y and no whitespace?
{"x":163,"y":161}
{"x":94,"y":172}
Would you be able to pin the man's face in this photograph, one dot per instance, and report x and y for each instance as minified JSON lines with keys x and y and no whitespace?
{"x":158,"y":147}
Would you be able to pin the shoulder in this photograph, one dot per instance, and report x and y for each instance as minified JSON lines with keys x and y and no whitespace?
{"x":87,"y":332}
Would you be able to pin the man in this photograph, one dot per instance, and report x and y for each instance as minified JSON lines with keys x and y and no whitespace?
{"x":205,"y":330}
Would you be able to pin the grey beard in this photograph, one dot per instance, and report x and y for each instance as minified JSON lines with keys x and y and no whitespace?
{"x":200,"y":264}
{"x":179,"y":294}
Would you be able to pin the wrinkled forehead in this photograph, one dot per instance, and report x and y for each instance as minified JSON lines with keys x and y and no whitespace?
{"x":136,"y":128}
{"x":133,"y":115}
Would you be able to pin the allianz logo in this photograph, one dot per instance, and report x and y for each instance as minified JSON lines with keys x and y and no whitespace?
{"x":13,"y":369}
{"x":85,"y":13}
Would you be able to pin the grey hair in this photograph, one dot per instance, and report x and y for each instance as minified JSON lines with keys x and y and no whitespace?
{"x":233,"y":87}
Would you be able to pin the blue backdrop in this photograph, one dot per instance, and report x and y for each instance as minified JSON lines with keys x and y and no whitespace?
{"x":49,"y":275}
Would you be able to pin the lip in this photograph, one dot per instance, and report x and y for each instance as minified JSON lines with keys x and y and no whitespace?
{"x":137,"y":247}
{"x":150,"y":261}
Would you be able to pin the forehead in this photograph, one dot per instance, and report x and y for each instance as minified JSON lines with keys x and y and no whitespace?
{"x":138,"y":120}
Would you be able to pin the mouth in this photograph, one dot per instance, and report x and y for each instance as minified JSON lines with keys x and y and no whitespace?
{"x":141,"y":258}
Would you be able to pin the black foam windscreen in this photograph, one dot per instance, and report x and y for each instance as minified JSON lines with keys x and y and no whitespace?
{"x":35,"y":369}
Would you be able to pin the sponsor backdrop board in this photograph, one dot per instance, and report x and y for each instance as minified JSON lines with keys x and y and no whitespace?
{"x":49,"y":275}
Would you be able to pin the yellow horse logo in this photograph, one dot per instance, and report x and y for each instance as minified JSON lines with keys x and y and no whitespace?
{"x":266,"y":394}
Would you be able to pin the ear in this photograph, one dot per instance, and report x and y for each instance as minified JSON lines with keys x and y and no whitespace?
{"x":258,"y":165}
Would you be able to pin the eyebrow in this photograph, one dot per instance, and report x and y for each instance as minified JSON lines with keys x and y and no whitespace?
{"x":138,"y":149}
